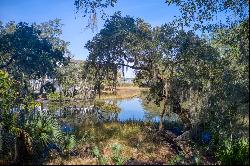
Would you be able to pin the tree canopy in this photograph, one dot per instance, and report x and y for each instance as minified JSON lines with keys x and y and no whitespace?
{"x":206,"y":14}
{"x":202,"y":14}
{"x":34,"y":50}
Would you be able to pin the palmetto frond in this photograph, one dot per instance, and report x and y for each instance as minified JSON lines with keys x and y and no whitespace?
{"x":44,"y":128}
{"x":70,"y":142}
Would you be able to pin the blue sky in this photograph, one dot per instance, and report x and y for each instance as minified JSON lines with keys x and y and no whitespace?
{"x":155,"y":12}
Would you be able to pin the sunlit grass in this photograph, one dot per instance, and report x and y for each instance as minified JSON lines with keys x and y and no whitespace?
{"x":138,"y":139}
{"x":122,"y":93}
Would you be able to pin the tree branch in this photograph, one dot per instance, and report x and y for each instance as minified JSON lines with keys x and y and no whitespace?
{"x":134,"y":67}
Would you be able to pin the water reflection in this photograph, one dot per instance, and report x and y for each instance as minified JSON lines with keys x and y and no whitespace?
{"x":133,"y":109}
{"x":87,"y":112}
{"x":130,"y":109}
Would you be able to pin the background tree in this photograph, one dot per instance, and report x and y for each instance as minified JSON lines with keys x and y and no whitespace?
{"x":176,"y":60}
{"x":32,"y":51}
{"x":106,"y":49}
{"x":70,"y":78}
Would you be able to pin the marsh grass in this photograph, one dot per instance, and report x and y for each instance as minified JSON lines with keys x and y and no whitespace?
{"x":122,"y":93}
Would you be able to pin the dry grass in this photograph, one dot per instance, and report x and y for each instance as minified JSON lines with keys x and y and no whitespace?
{"x":139,"y":142}
{"x":73,"y":161}
{"x":122,"y":93}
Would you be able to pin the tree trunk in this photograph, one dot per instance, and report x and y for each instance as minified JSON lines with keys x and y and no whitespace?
{"x":23,"y":149}
{"x":166,"y":94}
{"x":162,"y":115}
{"x":183,"y":113}
{"x":15,"y":151}
{"x":99,"y":90}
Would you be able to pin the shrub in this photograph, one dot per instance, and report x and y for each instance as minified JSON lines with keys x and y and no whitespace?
{"x":53,"y":96}
{"x":69,"y":143}
{"x":117,"y":158}
{"x":234,"y":152}
{"x":101,"y":159}
{"x":176,"y":160}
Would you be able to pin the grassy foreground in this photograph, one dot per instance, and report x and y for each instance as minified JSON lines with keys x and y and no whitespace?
{"x":119,"y":143}
{"x":126,"y":143}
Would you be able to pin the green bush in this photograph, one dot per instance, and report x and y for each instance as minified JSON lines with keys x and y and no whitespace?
{"x":101,"y":159}
{"x":234,"y":152}
{"x":53,"y":96}
{"x":176,"y":160}
{"x":69,"y":142}
{"x":117,"y":157}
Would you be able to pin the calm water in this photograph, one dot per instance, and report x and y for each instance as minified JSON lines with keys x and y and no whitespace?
{"x":73,"y":115}
{"x":133,"y":109}
{"x":130,"y":109}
